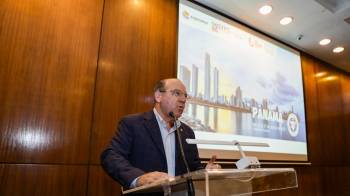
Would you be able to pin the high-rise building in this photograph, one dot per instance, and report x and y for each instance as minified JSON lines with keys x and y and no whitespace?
{"x":239,"y":99}
{"x":207,"y":77}
{"x":194,"y":87}
{"x":185,"y":76}
{"x":216,"y":84}
{"x":265,"y":104}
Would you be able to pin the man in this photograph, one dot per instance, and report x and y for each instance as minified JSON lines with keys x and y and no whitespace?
{"x":145,"y":148}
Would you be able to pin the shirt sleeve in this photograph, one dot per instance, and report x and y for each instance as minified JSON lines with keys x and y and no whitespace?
{"x":133,"y":183}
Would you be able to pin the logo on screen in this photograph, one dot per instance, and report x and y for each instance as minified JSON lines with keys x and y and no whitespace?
{"x":186,"y":14}
{"x":293,"y":124}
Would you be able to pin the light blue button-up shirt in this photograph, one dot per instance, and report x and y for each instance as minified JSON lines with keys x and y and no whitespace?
{"x":168,"y":137}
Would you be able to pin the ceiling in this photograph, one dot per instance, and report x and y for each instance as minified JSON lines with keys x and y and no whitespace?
{"x":313,"y":21}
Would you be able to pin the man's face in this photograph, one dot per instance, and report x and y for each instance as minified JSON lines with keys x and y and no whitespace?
{"x":174,"y":98}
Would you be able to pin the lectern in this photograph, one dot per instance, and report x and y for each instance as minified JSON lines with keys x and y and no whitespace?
{"x":225,"y":182}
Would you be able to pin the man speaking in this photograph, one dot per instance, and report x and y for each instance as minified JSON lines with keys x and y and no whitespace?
{"x":145,"y":147}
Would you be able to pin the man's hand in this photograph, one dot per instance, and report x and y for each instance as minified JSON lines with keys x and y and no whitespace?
{"x":211,"y":164}
{"x":151,"y":177}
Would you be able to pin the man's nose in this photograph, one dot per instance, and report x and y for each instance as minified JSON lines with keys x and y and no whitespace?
{"x":182,"y":99}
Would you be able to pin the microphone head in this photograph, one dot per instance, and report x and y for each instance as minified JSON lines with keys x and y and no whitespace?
{"x":171,"y":114}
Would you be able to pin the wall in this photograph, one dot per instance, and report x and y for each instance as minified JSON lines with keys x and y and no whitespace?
{"x":137,"y":48}
{"x":70,"y":69}
{"x":48,"y":58}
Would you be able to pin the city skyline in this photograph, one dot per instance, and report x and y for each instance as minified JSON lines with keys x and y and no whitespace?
{"x":211,"y":96}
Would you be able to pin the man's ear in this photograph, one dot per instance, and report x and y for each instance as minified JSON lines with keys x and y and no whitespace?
{"x":157,"y":96}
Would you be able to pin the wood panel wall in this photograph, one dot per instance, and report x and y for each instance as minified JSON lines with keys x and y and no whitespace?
{"x":138,"y":48}
{"x":48,"y":63}
{"x":70,"y":69}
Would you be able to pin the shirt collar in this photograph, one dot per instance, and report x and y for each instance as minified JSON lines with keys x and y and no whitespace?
{"x":162,"y":121}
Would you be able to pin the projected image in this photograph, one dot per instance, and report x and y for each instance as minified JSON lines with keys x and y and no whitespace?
{"x":240,"y":85}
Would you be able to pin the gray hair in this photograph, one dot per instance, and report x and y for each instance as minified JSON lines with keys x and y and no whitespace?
{"x":160,"y":86}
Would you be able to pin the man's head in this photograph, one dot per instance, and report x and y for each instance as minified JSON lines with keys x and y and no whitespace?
{"x":170,"y":96}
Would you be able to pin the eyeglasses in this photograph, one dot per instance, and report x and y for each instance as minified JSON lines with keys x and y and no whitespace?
{"x":177,"y":93}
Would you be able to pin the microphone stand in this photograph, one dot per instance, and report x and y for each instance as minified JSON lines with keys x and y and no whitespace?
{"x":190,"y":187}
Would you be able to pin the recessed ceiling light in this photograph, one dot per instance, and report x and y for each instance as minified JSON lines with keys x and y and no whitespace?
{"x":266,"y":9}
{"x":338,"y":49}
{"x":325,"y":42}
{"x":286,"y":20}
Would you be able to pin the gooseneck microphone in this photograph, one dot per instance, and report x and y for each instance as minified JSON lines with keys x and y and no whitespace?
{"x":190,"y":187}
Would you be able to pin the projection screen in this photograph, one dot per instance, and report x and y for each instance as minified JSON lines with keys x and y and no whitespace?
{"x":242,"y":86}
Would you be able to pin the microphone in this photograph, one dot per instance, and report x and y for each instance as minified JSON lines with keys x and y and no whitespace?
{"x":190,"y":187}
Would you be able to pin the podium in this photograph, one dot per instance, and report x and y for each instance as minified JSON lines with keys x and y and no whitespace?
{"x":225,"y":182}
